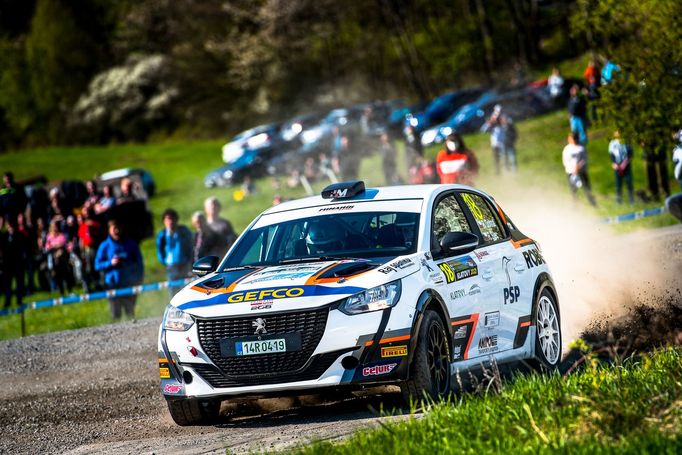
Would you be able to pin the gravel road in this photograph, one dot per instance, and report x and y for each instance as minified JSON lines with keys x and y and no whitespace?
{"x":96,"y":390}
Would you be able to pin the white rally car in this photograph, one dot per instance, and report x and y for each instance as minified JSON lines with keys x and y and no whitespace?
{"x":359,"y":287}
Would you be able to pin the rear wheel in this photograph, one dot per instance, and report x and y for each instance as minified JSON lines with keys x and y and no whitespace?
{"x":548,"y":332}
{"x":430,"y":373}
{"x":188,"y":411}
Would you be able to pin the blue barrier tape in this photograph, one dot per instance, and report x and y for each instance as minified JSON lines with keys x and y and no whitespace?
{"x":634,"y":215}
{"x":100,"y":295}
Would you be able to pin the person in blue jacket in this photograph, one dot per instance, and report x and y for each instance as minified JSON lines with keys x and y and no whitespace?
{"x":174,"y":248}
{"x":120,"y":261}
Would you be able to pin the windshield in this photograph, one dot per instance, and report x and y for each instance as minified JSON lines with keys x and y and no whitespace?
{"x":347,"y":235}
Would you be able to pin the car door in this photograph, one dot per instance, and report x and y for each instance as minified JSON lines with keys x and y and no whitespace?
{"x":495,"y":259}
{"x":460,"y":282}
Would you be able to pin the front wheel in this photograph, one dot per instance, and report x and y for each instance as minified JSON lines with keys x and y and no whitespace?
{"x":430,"y":372}
{"x":188,"y":411}
{"x":548,"y":332}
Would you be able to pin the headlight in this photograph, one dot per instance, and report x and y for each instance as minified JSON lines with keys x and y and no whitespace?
{"x":176,"y":319}
{"x":378,"y":298}
{"x":429,"y":136}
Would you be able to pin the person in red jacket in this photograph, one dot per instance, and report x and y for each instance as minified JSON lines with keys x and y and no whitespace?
{"x":455,"y":163}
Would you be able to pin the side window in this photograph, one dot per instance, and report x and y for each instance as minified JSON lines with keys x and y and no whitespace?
{"x":489,"y":225}
{"x":448,"y":216}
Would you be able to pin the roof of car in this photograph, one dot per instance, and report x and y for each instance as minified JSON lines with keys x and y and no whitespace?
{"x":371,"y":194}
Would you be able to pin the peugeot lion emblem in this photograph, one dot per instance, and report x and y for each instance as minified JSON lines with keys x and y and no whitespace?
{"x":259,"y":324}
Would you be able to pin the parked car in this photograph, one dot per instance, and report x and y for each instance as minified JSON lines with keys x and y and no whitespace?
{"x":440,"y":109}
{"x":136,"y":174}
{"x":260,"y":137}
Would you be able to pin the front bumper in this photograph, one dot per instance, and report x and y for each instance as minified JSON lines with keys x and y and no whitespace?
{"x":374,"y":345}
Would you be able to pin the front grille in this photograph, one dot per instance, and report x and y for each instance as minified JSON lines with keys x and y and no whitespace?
{"x":309,"y":324}
{"x":317,"y":366}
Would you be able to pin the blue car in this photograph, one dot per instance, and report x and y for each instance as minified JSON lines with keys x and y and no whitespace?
{"x":440,"y":109}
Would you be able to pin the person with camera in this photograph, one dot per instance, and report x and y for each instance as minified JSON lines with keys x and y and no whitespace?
{"x":120,"y":261}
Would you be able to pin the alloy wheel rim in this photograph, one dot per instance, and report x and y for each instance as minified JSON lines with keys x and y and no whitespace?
{"x":549,"y":334}
{"x":438,"y":359}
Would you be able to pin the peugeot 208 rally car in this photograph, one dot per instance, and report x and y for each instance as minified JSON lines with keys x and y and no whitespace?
{"x":359,"y":287}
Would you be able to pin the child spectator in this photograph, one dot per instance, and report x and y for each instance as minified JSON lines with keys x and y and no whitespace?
{"x":621,"y":157}
{"x":574,"y":158}
{"x":455,"y":163}
{"x":120,"y":260}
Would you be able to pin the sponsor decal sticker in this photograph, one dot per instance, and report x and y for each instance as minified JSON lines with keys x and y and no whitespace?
{"x":459,"y":269}
{"x":395,"y":266}
{"x":511,"y":294}
{"x":436,"y":277}
{"x":487,"y":344}
{"x":426,"y":265}
{"x":261,"y":305}
{"x":337,"y":207}
{"x":173,"y":388}
{"x":475,"y":289}
{"x":491,"y":319}
{"x":394,"y":351}
{"x":378,"y":370}
{"x":456,"y":352}
{"x":481,"y":254}
{"x":164,"y":373}
{"x":461,"y":332}
{"x":533,"y":258}
{"x":457,"y":294}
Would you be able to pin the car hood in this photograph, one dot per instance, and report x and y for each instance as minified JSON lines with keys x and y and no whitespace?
{"x":287,"y":287}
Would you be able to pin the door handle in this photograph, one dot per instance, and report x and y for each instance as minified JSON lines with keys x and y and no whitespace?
{"x":520,"y":267}
{"x":487,"y":275}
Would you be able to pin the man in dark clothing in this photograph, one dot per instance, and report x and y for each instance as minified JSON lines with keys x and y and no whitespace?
{"x":120,"y":260}
{"x":206,"y":241}
{"x":656,"y":169}
{"x":14,"y":250}
{"x":174,"y":248}
{"x":577,"y":108}
{"x":12,"y":198}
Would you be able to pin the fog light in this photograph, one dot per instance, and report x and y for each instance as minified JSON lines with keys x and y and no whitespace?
{"x":187,"y":377}
{"x":349,"y":362}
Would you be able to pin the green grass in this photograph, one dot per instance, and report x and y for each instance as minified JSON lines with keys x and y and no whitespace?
{"x":179,"y":169}
{"x":633,"y":407}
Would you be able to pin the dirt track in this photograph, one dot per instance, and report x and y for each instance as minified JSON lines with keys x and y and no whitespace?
{"x":96,"y":390}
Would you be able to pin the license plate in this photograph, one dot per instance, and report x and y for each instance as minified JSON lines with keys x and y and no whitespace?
{"x":260,"y":344}
{"x":260,"y":347}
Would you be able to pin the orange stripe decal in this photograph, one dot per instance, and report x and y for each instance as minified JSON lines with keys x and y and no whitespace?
{"x":525,"y":324}
{"x":518,"y":244}
{"x":389,"y":340}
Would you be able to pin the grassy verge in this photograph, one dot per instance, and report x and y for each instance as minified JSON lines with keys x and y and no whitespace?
{"x":634,"y":407}
{"x":179,"y":169}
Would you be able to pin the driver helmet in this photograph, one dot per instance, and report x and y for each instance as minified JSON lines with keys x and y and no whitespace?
{"x":324,"y":236}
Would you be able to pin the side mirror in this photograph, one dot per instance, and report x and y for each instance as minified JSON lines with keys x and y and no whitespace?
{"x":204,"y":266}
{"x":458,"y":242}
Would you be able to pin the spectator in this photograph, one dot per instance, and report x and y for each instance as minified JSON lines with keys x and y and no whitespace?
{"x":428,"y":171}
{"x":575,"y":163}
{"x":455,"y":163}
{"x":38,"y":203}
{"x":674,"y":203}
{"x":577,"y":109}
{"x":656,"y":168}
{"x":90,"y":235}
{"x":93,"y":195}
{"x":57,"y":210}
{"x":608,"y":72}
{"x":248,"y":187}
{"x":555,"y":84}
{"x":57,"y":258}
{"x":127,"y":192}
{"x":413,"y":141}
{"x":592,"y":70}
{"x":12,"y":198}
{"x":621,"y":157}
{"x":120,"y":260}
{"x":174,"y":249}
{"x":593,"y":97}
{"x":107,"y":201}
{"x":14,"y":251}
{"x":206,"y":242}
{"x":277,"y":199}
{"x":31,"y":242}
{"x":499,"y":126}
{"x":388,"y":154}
{"x":222,"y":227}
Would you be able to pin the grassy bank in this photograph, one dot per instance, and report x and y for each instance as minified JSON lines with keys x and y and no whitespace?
{"x":634,"y":407}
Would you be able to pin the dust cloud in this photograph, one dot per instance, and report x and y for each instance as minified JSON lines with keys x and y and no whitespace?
{"x":600,"y":275}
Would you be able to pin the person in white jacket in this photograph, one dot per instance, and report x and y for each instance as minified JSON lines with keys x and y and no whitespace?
{"x":574,"y":158}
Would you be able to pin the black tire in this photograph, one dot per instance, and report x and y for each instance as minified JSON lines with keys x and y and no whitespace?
{"x":187,"y":411}
{"x":430,"y":369}
{"x":548,"y":337}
